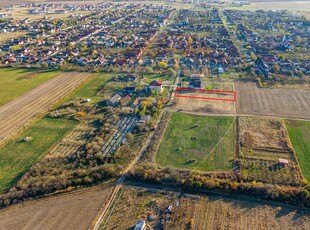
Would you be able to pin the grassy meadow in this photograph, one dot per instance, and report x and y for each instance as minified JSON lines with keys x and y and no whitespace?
{"x":15,"y":82}
{"x":299,"y":132}
{"x":196,"y":142}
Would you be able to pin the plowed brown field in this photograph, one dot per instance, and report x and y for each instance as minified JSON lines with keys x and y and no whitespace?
{"x":18,"y":112}
{"x":293,"y":103}
{"x":73,"y":210}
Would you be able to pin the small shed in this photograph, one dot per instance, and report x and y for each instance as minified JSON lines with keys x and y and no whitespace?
{"x":283,"y":161}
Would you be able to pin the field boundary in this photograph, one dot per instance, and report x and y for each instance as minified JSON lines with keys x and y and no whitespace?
{"x":225,"y":92}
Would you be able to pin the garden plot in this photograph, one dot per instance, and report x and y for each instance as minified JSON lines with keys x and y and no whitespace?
{"x":266,"y":154}
{"x":74,"y":140}
{"x":264,"y":134}
{"x":119,"y":132}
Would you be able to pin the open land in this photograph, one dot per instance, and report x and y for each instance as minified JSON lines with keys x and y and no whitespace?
{"x":15,"y":82}
{"x":293,"y":103}
{"x":194,"y":212}
{"x":205,"y":143}
{"x":73,"y":210}
{"x":299,"y":132}
{"x":18,"y":156}
{"x":18,"y":112}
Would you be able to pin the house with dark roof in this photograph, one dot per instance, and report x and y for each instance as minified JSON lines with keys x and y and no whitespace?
{"x":156,"y":85}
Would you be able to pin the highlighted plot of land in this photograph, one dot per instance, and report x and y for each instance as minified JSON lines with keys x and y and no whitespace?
{"x":205,"y":94}
{"x":196,"y":142}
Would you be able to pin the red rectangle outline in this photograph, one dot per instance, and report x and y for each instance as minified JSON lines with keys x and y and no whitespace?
{"x":234,"y":93}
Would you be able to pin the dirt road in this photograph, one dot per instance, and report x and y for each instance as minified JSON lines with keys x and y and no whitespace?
{"x":19,"y":112}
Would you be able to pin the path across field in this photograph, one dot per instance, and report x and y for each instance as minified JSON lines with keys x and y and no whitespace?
{"x":294,"y":103}
{"x":18,"y":112}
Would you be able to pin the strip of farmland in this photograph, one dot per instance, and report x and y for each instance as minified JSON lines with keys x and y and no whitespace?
{"x":19,"y":112}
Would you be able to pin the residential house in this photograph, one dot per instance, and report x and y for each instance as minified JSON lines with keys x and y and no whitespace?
{"x":156,"y":85}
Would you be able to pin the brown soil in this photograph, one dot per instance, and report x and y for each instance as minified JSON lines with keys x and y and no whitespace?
{"x":228,"y":213}
{"x":73,"y":210}
{"x":293,"y":103}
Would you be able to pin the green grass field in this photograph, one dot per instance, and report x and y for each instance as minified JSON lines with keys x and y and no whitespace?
{"x":15,"y":82}
{"x":299,"y":132}
{"x":17,"y":156}
{"x":209,"y":147}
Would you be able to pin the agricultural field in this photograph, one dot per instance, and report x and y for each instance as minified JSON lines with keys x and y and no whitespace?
{"x":199,"y":212}
{"x":15,"y":82}
{"x":263,"y":142}
{"x":73,"y":210}
{"x":214,"y":212}
{"x":17,"y":156}
{"x":197,"y":142}
{"x":293,"y":103}
{"x":17,"y":113}
{"x":299,"y":132}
